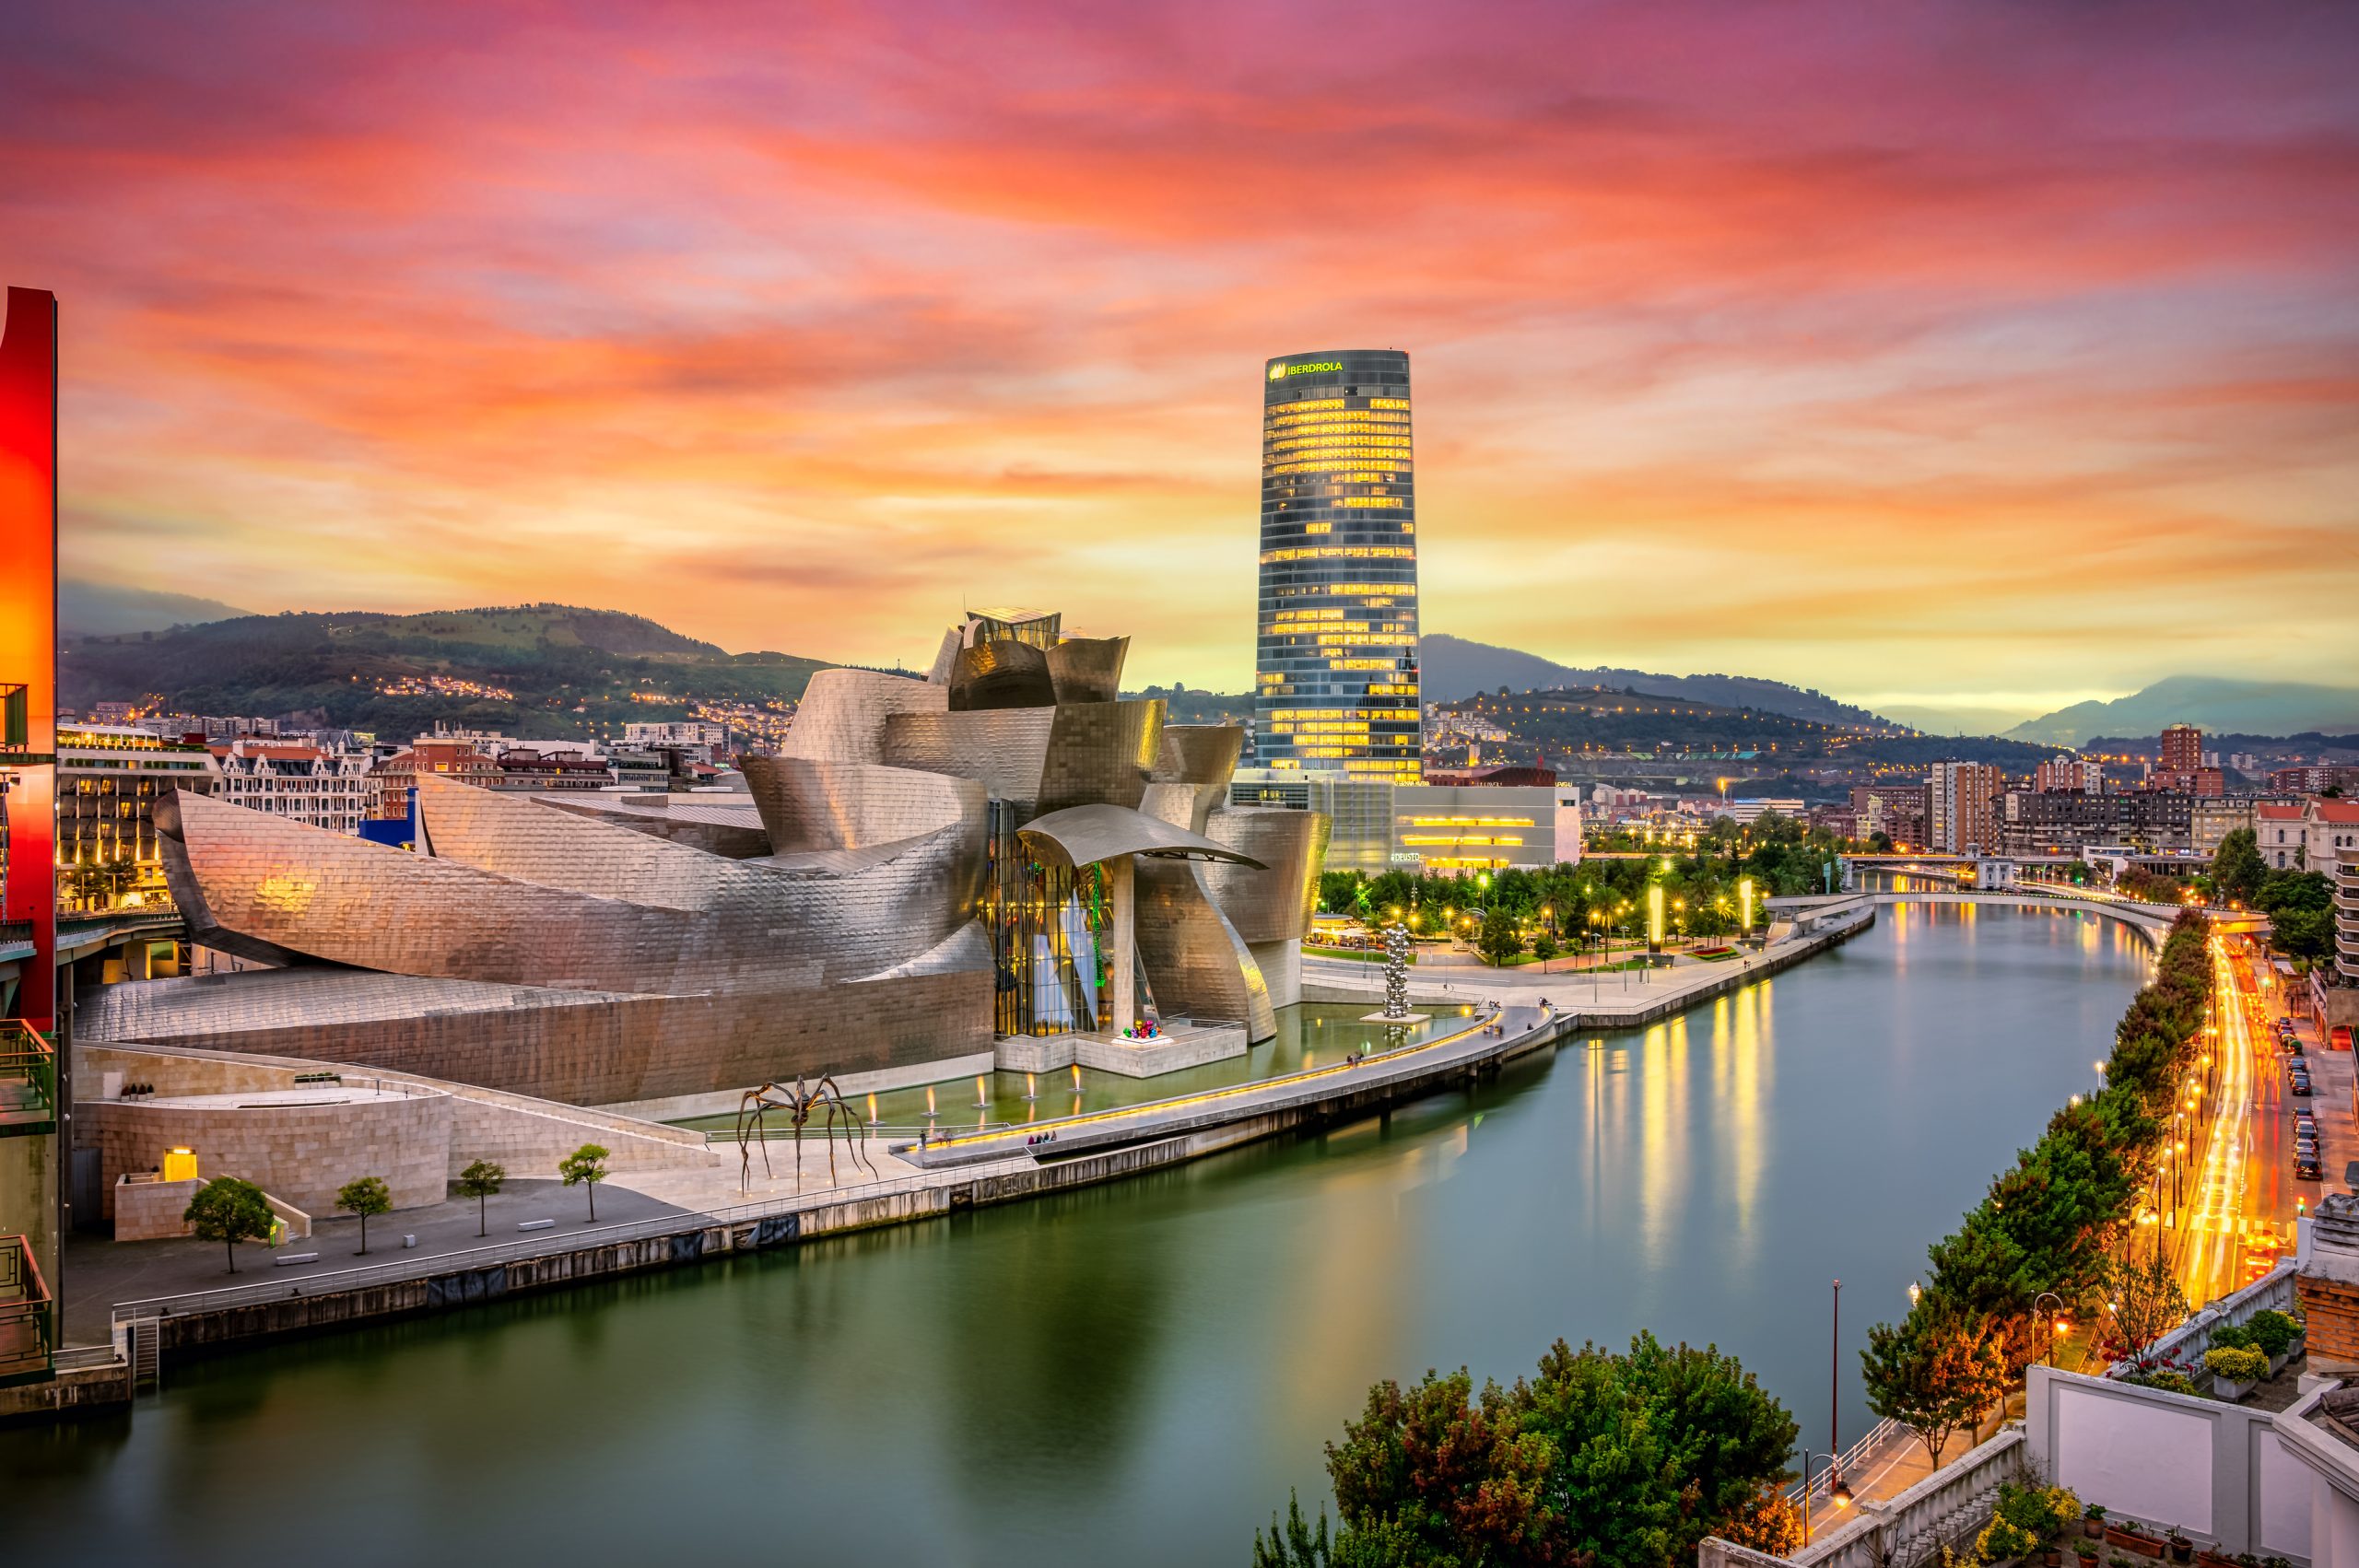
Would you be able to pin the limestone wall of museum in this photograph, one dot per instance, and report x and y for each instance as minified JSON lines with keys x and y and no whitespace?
{"x":300,"y":1152}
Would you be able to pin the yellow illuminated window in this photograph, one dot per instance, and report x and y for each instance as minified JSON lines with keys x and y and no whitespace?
{"x":1319,"y":528}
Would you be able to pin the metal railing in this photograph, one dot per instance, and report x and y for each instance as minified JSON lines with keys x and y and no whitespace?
{"x":28,"y":1080}
{"x":542,"y":1244}
{"x":28,"y":1313}
{"x":956,"y":1125}
{"x":1846,"y":1463}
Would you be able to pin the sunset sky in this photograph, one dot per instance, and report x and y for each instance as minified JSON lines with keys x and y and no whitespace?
{"x":1989,"y":355}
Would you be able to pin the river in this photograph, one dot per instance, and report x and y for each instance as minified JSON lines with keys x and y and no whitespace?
{"x":1137,"y":1373}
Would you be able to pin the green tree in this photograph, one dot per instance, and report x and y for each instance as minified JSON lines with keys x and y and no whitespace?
{"x":365,"y":1196}
{"x":482,"y":1182}
{"x":2303,"y":933}
{"x":586,"y":1166}
{"x":1544,"y":948}
{"x":228,"y":1210}
{"x":1293,"y":1545}
{"x":1939,"y":1371}
{"x":1603,"y":1458}
{"x":2237,"y":869}
{"x":1498,"y":940}
{"x":2147,"y":1303}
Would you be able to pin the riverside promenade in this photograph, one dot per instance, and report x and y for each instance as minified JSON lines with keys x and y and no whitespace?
{"x":712,"y":1212}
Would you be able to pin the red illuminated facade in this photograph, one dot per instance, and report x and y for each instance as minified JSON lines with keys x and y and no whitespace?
{"x":28,"y":639}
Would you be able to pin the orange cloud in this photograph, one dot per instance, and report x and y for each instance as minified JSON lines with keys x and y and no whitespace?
{"x":2007,"y":346}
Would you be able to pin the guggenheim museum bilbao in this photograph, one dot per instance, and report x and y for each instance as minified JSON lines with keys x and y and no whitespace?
{"x":1004,"y":863}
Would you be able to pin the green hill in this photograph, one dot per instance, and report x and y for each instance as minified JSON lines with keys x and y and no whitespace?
{"x":1453,"y":667}
{"x":1559,"y":726}
{"x":528,"y":670}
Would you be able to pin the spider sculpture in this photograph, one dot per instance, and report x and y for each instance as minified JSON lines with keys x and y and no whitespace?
{"x":801,"y":1102}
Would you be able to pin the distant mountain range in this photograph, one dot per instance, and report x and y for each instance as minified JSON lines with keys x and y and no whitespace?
{"x":1452,"y":668}
{"x":562,"y":664}
{"x":528,"y":670}
{"x":2253,"y":708}
{"x":100,"y":609}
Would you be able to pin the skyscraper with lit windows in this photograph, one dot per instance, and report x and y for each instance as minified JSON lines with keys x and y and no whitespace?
{"x":1335,"y":670}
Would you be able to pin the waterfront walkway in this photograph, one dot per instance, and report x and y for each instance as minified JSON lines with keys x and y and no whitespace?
{"x":701,"y":1210}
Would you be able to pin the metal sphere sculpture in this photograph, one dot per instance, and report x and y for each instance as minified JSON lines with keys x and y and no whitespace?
{"x":800,"y":1104}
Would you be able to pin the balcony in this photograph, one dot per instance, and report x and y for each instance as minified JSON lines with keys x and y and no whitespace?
{"x":28,"y":1315}
{"x":28,"y":1082}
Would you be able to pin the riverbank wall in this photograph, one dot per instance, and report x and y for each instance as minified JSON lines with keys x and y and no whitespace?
{"x":241,"y":1317}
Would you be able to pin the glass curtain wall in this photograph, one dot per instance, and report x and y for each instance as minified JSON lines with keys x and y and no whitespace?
{"x":1050,"y":927}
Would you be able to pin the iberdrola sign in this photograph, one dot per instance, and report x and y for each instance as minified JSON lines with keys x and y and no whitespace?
{"x":1280,"y":369}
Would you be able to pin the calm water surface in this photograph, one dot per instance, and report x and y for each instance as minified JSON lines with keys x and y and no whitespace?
{"x":1138,"y":1372}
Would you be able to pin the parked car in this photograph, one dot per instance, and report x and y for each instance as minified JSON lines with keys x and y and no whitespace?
{"x":2306,"y":1170}
{"x":2302,"y":1087}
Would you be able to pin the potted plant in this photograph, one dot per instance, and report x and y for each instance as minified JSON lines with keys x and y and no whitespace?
{"x":2087,"y":1551}
{"x":2182,"y":1549}
{"x":2092,"y":1521}
{"x":2002,"y":1542}
{"x":2236,"y":1371}
{"x":2130,"y":1538}
{"x":2275,"y":1335}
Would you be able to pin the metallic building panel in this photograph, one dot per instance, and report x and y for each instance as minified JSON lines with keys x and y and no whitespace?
{"x":1003,"y":674}
{"x":1082,"y":835}
{"x":1204,"y":758}
{"x":1088,"y":669}
{"x":1274,"y":904}
{"x":1001,"y":748}
{"x":732,"y":832}
{"x":1195,"y":962}
{"x":807,"y":804}
{"x":1100,"y":752}
{"x":843,"y":713}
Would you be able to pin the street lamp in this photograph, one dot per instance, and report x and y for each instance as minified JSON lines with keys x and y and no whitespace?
{"x":2059,"y":1327}
{"x":1839,"y":1492}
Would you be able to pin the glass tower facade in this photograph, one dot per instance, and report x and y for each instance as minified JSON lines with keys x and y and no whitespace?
{"x":1336,"y":670}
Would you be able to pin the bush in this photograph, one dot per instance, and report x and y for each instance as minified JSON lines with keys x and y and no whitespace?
{"x":2235,"y":1363}
{"x":2164,"y":1378}
{"x":2234,"y":1336}
{"x":2000,"y":1542}
{"x":2272,"y":1333}
{"x":2042,"y":1511}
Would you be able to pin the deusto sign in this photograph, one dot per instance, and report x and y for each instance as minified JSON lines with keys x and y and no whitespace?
{"x":1280,"y":371}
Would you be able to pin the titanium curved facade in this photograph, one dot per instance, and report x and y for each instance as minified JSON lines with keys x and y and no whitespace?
{"x":929,"y":869}
{"x":1335,"y":657}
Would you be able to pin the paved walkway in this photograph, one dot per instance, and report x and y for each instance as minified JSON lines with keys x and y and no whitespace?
{"x":1603,"y":998}
{"x":99,"y":1272}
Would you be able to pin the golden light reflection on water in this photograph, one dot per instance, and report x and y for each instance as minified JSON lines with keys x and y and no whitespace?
{"x":1745,"y":1044}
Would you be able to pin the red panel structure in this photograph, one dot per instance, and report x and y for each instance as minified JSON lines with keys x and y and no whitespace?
{"x":28,"y":636}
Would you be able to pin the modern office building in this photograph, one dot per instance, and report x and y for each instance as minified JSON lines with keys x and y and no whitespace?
{"x":1010,"y":864}
{"x":1335,"y":657}
{"x":1377,"y":825}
